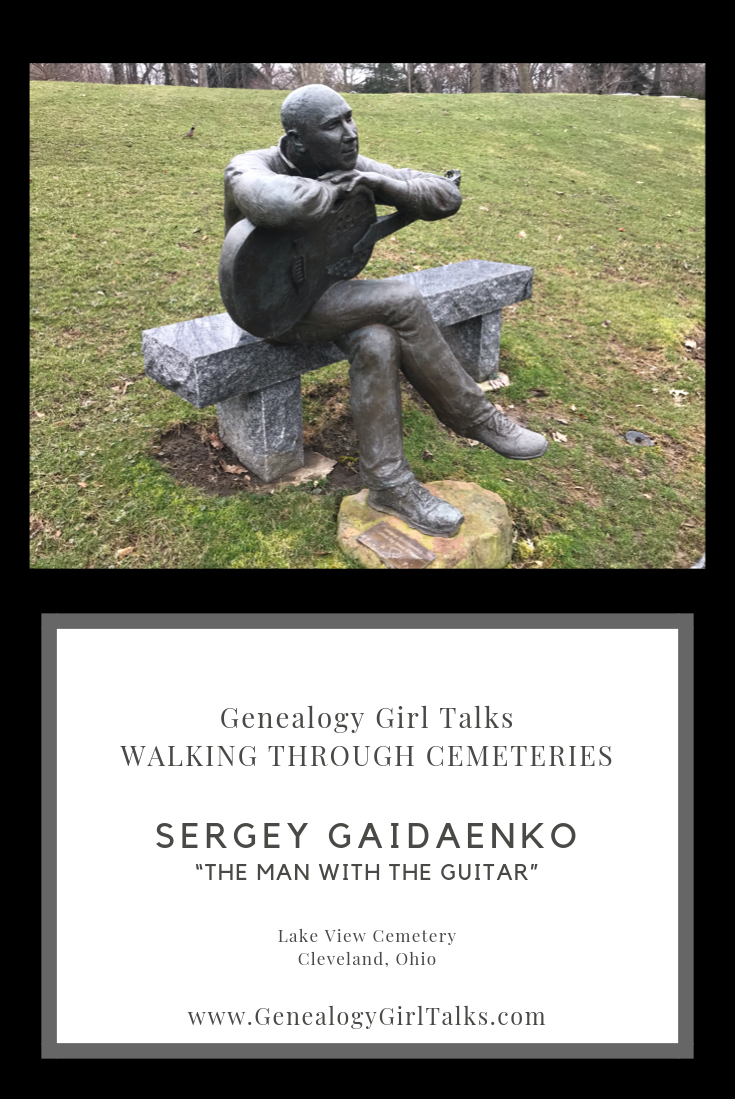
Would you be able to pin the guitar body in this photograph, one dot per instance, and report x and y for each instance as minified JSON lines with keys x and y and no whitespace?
{"x":270,"y":278}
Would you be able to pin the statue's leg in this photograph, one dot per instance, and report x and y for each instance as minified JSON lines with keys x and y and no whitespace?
{"x":356,"y":322}
{"x":426,"y":359}
{"x":374,"y":353}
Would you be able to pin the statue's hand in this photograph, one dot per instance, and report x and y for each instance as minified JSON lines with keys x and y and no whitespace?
{"x":345,"y":182}
{"x":385,"y":189}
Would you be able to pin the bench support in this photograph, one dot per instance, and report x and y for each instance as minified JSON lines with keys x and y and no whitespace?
{"x":476,"y":344}
{"x":264,"y":428}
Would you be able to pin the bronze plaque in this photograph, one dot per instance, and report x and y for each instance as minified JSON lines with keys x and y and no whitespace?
{"x":394,"y":548}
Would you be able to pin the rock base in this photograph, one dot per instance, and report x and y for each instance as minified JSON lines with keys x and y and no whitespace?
{"x":483,"y":542}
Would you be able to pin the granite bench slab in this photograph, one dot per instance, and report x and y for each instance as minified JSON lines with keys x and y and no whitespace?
{"x":256,"y":383}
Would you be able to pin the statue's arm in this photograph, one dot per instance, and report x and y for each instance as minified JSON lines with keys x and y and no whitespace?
{"x":420,"y":194}
{"x":269,"y":199}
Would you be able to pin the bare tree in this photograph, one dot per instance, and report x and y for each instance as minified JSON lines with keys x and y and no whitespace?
{"x":524,"y":77}
{"x":475,"y":78}
{"x":311,"y":73}
{"x":269,"y":71}
{"x":656,"y":87}
{"x":90,"y":72}
{"x":131,"y":72}
{"x":202,"y":81}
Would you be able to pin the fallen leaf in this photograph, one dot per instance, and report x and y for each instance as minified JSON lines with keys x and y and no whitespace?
{"x":562,"y":419}
{"x":559,"y":238}
{"x":392,"y":239}
{"x":124,"y":551}
{"x":57,"y":533}
{"x":506,"y":480}
{"x":82,"y":484}
{"x":560,"y":193}
{"x":522,"y":233}
{"x":649,"y":496}
{"x":74,"y":235}
{"x":474,"y":443}
{"x":229,"y":468}
{"x":205,"y":237}
{"x":214,"y":440}
{"x":427,"y":454}
{"x":690,"y":344}
{"x":417,"y":267}
{"x":573,"y":407}
{"x":621,"y":230}
{"x":484,"y":208}
{"x":676,"y":393}
{"x":116,"y":388}
{"x":559,"y":437}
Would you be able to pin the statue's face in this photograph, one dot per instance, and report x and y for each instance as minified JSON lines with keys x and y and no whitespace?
{"x":329,"y":135}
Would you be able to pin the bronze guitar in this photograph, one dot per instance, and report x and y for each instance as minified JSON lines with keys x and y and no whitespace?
{"x":270,"y":278}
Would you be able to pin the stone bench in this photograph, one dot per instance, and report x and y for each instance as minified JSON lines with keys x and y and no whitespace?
{"x":257,"y":385}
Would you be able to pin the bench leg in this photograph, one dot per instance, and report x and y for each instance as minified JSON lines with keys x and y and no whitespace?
{"x":487,"y":361}
{"x":476,"y":344}
{"x":264,"y":428}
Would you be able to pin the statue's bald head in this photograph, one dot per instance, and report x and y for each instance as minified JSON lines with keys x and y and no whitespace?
{"x":308,"y":104}
{"x":321,"y":134}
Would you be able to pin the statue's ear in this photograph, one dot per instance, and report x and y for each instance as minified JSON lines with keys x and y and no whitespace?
{"x":296,"y":141}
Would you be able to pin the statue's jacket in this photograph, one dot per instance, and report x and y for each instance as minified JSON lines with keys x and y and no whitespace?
{"x":266,"y":188}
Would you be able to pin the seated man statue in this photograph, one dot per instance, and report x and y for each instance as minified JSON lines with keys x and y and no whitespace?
{"x":381,"y":326}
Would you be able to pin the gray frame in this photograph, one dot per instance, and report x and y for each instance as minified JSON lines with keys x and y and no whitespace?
{"x":683,"y":622}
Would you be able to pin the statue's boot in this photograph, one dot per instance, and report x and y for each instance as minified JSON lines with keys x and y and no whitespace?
{"x":507,"y":438}
{"x":419,"y":508}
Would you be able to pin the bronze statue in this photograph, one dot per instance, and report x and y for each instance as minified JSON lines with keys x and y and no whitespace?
{"x":302,"y":216}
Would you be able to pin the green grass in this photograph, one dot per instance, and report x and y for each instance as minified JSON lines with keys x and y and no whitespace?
{"x":126,"y":228}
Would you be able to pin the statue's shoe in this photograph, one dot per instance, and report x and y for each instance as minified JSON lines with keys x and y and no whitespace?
{"x":509,"y":439}
{"x":419,"y":508}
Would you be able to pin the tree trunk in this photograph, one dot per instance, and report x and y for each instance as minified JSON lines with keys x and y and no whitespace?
{"x":118,"y":73}
{"x":524,"y":77}
{"x":475,"y":78}
{"x":202,"y":75}
{"x":409,"y":75}
{"x":656,"y":88}
{"x":132,"y":68}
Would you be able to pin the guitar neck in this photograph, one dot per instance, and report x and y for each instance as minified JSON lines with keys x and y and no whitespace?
{"x":385,"y":225}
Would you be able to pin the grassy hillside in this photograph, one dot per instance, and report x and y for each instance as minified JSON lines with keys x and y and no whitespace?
{"x":126,"y":228}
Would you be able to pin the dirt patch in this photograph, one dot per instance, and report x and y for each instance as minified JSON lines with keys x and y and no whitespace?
{"x":68,"y":336}
{"x":190,"y":457}
{"x":681,"y":453}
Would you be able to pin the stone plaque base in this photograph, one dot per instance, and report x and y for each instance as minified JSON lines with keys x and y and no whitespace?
{"x":484,"y":541}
